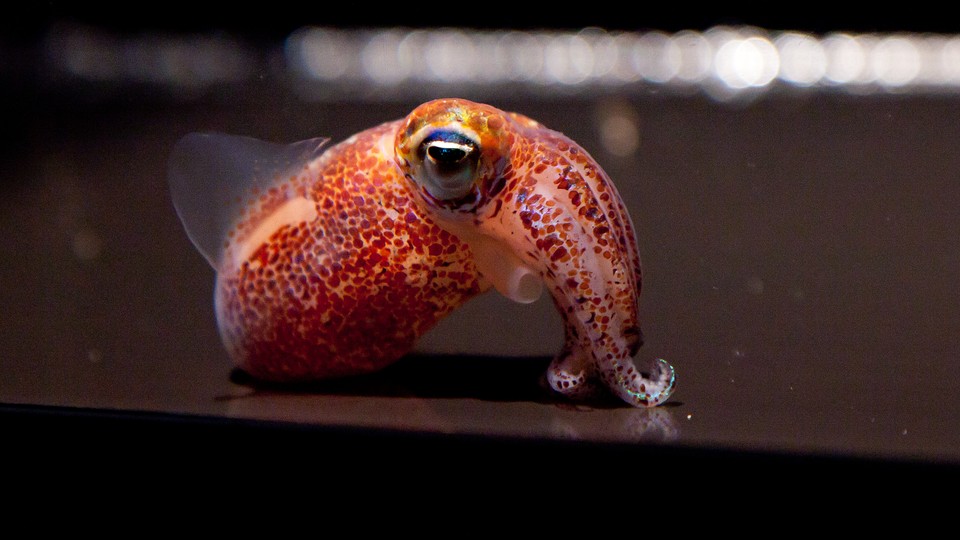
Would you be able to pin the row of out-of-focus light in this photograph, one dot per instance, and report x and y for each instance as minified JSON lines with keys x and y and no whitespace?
{"x":723,"y":61}
{"x":177,"y":62}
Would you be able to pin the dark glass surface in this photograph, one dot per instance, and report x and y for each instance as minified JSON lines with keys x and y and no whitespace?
{"x":800,"y":254}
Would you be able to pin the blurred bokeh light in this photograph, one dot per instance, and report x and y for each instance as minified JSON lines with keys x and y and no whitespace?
{"x":331,"y":63}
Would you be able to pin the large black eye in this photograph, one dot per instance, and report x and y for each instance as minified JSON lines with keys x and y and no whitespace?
{"x":449,"y":162}
{"x":444,"y":153}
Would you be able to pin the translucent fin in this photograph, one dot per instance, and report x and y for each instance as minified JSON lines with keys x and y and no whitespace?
{"x":213,"y":175}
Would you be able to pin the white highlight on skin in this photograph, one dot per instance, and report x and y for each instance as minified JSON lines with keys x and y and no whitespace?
{"x":384,"y":144}
{"x":295,"y":210}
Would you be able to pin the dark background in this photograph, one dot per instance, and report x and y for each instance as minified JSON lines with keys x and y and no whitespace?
{"x":849,"y":199}
{"x":272,"y":22}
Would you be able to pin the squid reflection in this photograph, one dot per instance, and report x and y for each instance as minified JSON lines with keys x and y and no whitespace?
{"x":636,"y":425}
{"x":458,"y":416}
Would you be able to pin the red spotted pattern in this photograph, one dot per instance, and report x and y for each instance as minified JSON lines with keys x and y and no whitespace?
{"x":351,"y":290}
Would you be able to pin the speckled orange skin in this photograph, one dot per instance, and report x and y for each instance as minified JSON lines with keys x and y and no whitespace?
{"x":350,"y":291}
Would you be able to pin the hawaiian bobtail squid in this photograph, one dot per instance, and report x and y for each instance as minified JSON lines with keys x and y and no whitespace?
{"x":332,"y":262}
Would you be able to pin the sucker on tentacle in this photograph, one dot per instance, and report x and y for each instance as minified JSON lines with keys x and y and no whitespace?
{"x":333,"y":264}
